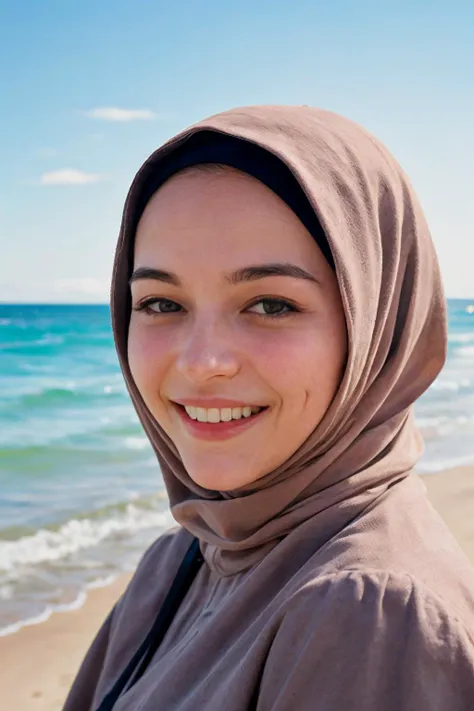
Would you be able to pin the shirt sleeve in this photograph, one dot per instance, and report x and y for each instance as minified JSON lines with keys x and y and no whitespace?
{"x":368,"y":642}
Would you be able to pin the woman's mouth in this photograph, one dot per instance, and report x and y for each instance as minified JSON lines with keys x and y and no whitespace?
{"x":225,"y":414}
{"x":218,"y":423}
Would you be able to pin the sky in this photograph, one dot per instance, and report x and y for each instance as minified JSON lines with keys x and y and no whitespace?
{"x":89,"y":89}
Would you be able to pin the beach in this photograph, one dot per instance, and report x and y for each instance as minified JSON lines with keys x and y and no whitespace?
{"x":39,"y":662}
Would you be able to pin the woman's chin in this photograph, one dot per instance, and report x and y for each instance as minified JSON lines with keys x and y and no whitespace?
{"x":219,"y":482}
{"x":221,"y":476}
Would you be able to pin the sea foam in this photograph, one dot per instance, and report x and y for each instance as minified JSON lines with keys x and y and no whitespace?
{"x":78,"y":534}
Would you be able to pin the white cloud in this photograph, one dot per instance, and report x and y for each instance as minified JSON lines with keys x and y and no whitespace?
{"x":83,"y":285}
{"x":69,"y":176}
{"x":112,"y":113}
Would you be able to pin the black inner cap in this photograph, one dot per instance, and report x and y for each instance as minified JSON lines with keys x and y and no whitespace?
{"x":211,"y":147}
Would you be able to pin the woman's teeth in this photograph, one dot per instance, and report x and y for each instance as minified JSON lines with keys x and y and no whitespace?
{"x":225,"y":414}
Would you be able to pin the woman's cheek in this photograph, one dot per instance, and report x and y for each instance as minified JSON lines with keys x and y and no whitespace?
{"x":287,"y":354}
{"x":148,"y":352}
{"x":302,"y":368}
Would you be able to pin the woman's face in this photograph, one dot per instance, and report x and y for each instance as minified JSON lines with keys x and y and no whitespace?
{"x":234,"y":309}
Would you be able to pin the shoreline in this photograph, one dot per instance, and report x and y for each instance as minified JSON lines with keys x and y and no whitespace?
{"x":43,"y":617}
{"x":62,"y":640}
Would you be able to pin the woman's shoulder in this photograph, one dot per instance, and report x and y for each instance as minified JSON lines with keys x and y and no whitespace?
{"x":401,"y":545}
{"x":374,"y":635}
{"x":378,"y":593}
{"x":389,"y":610}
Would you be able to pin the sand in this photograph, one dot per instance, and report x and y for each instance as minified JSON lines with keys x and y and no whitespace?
{"x":38,"y":663}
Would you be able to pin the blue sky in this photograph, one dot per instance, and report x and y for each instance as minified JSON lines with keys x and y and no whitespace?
{"x":72,"y":72}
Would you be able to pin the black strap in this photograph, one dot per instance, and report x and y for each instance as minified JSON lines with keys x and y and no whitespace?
{"x":187,"y":571}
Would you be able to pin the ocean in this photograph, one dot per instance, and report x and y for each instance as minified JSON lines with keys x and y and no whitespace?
{"x":81,"y":494}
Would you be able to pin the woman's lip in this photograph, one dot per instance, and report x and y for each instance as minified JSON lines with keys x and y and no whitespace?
{"x":218,"y":403}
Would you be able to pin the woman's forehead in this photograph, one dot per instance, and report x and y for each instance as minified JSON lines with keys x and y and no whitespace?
{"x":224,"y":219}
{"x":227,"y":193}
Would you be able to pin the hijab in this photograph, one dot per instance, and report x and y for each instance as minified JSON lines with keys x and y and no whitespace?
{"x":394,"y":306}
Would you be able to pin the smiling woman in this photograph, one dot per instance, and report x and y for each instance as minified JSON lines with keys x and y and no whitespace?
{"x":214,"y":328}
{"x":277,"y":310}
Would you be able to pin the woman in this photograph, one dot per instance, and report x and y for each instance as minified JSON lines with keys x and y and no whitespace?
{"x":277,"y":309}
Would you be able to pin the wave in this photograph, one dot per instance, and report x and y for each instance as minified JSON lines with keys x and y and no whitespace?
{"x":51,"y":396}
{"x":76,"y":604}
{"x":48,"y":545}
{"x":442,"y":428}
{"x":426,"y":421}
{"x":34,"y":452}
{"x":46,"y":340}
{"x":52,"y":569}
{"x":461,"y":338}
{"x":136,"y":443}
{"x":452,"y":385}
{"x":49,"y":610}
{"x":65,"y":395}
{"x":429,"y":466}
{"x":50,"y":437}
{"x":466,"y":351}
{"x":43,"y":387}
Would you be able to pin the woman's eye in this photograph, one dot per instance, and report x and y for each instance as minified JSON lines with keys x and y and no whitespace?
{"x":272,"y":308}
{"x":267,"y":308}
{"x":158,"y":306}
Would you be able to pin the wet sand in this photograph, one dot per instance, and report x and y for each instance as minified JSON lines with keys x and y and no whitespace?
{"x":38,"y":663}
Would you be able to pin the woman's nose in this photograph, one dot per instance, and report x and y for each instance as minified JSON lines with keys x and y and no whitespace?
{"x":208,"y":351}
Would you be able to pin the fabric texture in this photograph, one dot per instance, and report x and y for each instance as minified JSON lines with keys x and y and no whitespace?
{"x":330,"y":583}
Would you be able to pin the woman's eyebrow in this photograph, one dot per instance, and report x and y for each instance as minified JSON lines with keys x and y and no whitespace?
{"x":261,"y":271}
{"x":155,"y":274}
{"x":251,"y":273}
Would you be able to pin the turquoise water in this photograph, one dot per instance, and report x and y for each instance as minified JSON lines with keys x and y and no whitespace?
{"x":81,"y":491}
